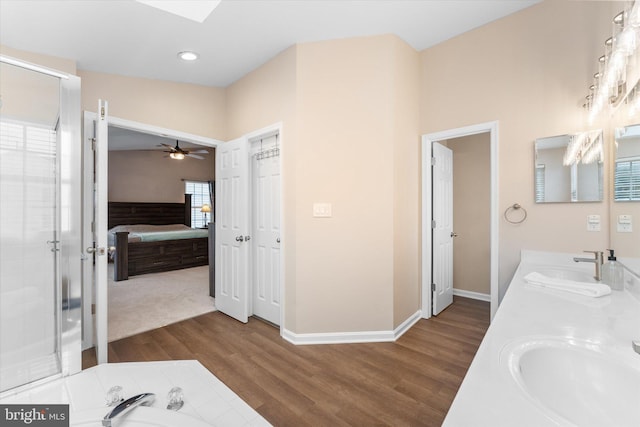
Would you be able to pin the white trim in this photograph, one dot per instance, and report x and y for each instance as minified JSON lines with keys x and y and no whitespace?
{"x":139,"y":127}
{"x":407,"y":324}
{"x":427,"y":140}
{"x":33,"y":67}
{"x":473,"y":295}
{"x":164,"y":132}
{"x":352,"y":337}
{"x":267,"y":132}
{"x":88,"y":332}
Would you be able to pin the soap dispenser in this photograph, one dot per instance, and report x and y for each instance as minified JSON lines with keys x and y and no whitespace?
{"x":613,"y":273}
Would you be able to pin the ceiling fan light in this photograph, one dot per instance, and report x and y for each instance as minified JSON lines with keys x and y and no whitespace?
{"x":188,"y":55}
{"x":176,"y":156}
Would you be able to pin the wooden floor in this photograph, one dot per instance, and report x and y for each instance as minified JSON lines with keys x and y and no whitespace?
{"x":410,"y":382}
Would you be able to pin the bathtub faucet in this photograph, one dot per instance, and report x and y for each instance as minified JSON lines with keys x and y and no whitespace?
{"x":598,"y":260}
{"x":126,"y":406}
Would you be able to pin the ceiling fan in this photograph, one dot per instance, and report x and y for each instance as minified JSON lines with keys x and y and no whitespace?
{"x":179,"y":153}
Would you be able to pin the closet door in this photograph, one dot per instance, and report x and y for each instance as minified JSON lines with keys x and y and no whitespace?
{"x":232,"y":229}
{"x":265,"y":239}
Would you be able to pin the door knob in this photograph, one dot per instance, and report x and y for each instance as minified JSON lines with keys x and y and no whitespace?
{"x":99,"y":251}
{"x":240,"y":239}
{"x":454,"y":234}
{"x":278,"y":240}
{"x":247,"y":238}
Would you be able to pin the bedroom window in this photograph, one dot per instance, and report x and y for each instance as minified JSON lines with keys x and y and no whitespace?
{"x":201,"y":194}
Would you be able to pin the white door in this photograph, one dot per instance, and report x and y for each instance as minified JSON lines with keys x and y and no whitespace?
{"x":232,"y":229}
{"x":266,"y":237}
{"x":442,"y":270}
{"x":100,"y":248}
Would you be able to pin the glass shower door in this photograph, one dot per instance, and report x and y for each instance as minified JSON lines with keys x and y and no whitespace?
{"x":30,"y":199}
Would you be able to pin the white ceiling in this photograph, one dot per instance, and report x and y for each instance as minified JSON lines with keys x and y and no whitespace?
{"x":125,"y":139}
{"x":129,"y":38}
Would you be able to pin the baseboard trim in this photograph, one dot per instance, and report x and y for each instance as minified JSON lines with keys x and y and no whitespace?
{"x":407,"y":324}
{"x":351,"y":337}
{"x":472,"y":295}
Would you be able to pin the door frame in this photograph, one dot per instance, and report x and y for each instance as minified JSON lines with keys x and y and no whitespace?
{"x":89,"y":331}
{"x":426,"y":214}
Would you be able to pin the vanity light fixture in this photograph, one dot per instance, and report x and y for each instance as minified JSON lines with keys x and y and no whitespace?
{"x":188,"y":55}
{"x":176,"y":156}
{"x":617,"y":65}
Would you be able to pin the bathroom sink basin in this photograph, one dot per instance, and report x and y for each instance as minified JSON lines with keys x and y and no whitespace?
{"x":142,"y":416}
{"x":576,"y":383}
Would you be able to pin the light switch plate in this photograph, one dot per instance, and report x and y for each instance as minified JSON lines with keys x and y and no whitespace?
{"x":625,"y":224}
{"x":593,"y":222}
{"x":322,"y":210}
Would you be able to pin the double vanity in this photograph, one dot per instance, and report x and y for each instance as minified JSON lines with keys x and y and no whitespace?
{"x":553,"y":357}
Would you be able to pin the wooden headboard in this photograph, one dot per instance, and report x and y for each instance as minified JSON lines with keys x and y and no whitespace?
{"x":129,"y":213}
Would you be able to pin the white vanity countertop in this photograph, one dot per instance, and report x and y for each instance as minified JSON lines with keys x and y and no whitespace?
{"x":489,"y":396}
{"x":206,"y":398}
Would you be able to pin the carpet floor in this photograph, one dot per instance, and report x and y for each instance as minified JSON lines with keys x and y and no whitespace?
{"x":152,"y":301}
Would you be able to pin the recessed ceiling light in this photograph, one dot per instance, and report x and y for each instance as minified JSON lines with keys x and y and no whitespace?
{"x":188,"y":56}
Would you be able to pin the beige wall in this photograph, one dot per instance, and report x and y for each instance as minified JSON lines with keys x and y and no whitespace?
{"x":147,"y":176}
{"x":264,"y":97}
{"x":406,"y":183}
{"x":194,"y":109}
{"x":350,"y":125}
{"x":345,"y":157}
{"x":529,"y":71}
{"x":42,"y":103}
{"x":351,"y":138}
{"x":472,"y":212}
{"x":60,"y":64}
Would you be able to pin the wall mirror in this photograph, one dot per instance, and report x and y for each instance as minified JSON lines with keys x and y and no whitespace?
{"x":627,"y":164}
{"x":568,"y":168}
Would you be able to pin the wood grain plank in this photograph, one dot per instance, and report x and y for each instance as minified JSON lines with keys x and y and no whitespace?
{"x":409,"y":382}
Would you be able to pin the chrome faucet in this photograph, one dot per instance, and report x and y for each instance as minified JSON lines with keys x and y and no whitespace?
{"x":126,"y":406}
{"x":598,"y":260}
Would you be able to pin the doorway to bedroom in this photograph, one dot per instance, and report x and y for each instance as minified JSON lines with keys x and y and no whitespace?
{"x":145,"y":168}
{"x":145,"y":173}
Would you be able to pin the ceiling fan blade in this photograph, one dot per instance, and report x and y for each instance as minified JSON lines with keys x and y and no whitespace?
{"x":195,"y":156}
{"x":165,"y":145}
{"x":200,"y":152}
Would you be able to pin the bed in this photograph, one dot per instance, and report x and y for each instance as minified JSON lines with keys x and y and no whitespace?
{"x":154,"y":237}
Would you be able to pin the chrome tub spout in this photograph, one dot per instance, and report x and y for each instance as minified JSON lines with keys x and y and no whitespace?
{"x":126,"y":406}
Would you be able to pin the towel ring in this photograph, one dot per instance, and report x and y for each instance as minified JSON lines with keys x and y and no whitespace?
{"x":515,"y":207}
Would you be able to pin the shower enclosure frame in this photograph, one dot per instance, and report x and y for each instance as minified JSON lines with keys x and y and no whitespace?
{"x":68,"y":283}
